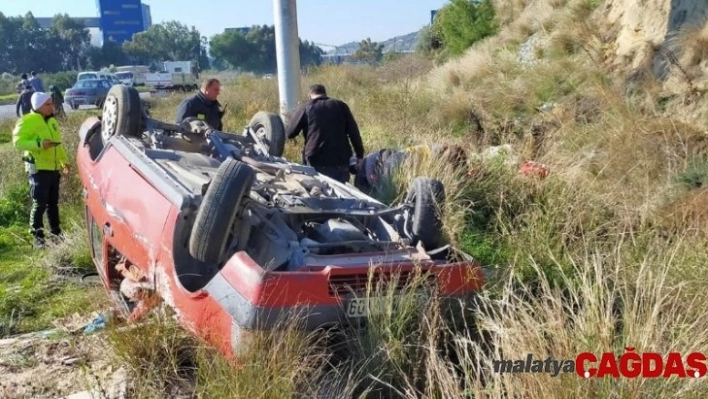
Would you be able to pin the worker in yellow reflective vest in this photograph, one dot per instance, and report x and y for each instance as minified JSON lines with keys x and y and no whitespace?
{"x":37,"y":135}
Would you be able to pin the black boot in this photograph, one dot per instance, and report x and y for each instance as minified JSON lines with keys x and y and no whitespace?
{"x":39,"y":241}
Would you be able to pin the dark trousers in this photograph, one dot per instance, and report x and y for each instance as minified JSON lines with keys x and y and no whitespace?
{"x":338,"y":173}
{"x":44,"y":189}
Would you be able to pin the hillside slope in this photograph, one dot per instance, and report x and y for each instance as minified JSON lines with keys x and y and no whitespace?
{"x":659,"y":47}
{"x":403,"y":43}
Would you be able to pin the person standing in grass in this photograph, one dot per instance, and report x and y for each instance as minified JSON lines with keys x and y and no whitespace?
{"x":24,"y":101}
{"x":204,"y":105}
{"x":37,"y":135}
{"x":330,"y":132}
{"x":23,"y":83}
{"x":36,"y":82}
{"x":58,"y":100}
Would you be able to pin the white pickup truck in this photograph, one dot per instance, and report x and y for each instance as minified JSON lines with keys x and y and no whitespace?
{"x":177,"y":75}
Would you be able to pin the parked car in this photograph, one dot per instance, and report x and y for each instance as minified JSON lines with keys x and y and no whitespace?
{"x":111,"y":77}
{"x":231,"y":236}
{"x":88,"y":92}
{"x":125,"y":78}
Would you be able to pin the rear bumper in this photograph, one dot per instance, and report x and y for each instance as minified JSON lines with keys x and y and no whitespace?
{"x":258,"y":301}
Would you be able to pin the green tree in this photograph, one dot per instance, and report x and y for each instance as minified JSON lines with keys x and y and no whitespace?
{"x":170,"y":41}
{"x":429,"y":42}
{"x":111,"y":53}
{"x":255,"y":51}
{"x":233,"y":48}
{"x":264,"y":59}
{"x":26,"y":46}
{"x":65,"y":45}
{"x":369,"y":52}
{"x":310,"y":54}
{"x":71,"y":39}
{"x":461,"y":23}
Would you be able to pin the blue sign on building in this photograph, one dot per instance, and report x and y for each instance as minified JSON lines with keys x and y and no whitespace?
{"x":120,"y":19}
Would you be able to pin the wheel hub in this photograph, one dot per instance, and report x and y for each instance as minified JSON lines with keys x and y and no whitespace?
{"x":261,"y":133}
{"x":110,"y":118}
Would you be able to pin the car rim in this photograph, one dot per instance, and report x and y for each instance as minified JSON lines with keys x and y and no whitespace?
{"x":261,"y":133}
{"x":110,"y":117}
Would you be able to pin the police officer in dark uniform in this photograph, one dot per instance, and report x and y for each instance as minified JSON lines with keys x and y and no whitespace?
{"x":330,"y":133}
{"x":204,"y":105}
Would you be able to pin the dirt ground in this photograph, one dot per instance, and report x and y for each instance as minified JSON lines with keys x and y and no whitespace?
{"x":59,"y":363}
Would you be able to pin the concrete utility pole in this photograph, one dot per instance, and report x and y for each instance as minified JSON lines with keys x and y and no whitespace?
{"x":287,"y":49}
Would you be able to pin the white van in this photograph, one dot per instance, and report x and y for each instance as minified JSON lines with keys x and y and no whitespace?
{"x":126,"y":78}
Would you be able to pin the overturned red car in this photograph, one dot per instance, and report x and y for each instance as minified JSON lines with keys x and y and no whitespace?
{"x":233,"y":237}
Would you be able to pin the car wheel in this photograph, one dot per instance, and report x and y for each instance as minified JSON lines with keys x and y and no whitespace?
{"x":270,"y":129}
{"x":221,"y":203}
{"x":122,"y":113}
{"x":428,"y":199}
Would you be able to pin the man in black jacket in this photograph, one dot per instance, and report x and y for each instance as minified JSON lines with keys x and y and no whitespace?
{"x":328,"y":127}
{"x":203,"y":105}
{"x":24,"y":105}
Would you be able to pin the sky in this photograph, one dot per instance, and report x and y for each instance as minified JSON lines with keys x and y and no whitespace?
{"x":325,"y":22}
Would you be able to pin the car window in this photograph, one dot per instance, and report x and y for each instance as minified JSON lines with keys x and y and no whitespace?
{"x":86,"y":84}
{"x":87,"y":76}
{"x":106,"y":84}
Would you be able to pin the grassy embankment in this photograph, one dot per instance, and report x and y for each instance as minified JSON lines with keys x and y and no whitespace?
{"x":611,"y":246}
{"x":36,"y":288}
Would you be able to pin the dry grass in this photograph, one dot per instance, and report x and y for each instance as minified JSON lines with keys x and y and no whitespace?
{"x":692,"y":41}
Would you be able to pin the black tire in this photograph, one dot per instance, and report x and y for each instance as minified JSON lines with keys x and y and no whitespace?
{"x":221,"y":203}
{"x":122,"y":113}
{"x":271,"y":129}
{"x":428,"y":199}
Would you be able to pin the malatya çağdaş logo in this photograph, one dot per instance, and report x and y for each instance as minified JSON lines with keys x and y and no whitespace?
{"x":628,"y":365}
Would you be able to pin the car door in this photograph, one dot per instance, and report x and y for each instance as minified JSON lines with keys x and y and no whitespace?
{"x":135,"y":212}
{"x":105,"y":87}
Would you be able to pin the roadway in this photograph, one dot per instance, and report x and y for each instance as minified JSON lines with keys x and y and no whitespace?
{"x":8,"y":111}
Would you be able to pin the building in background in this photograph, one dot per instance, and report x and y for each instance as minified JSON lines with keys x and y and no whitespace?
{"x":117,"y":20}
{"x":147,"y":17}
{"x":120,"y":19}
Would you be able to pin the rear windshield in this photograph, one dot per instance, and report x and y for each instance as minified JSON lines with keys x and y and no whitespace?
{"x":124,"y":75}
{"x":85,"y":76}
{"x":87,"y":84}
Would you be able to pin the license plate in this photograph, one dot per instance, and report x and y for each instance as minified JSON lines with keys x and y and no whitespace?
{"x":372,"y":306}
{"x":363,"y":307}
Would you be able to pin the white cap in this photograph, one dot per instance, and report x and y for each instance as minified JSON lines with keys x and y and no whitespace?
{"x":38,"y":99}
